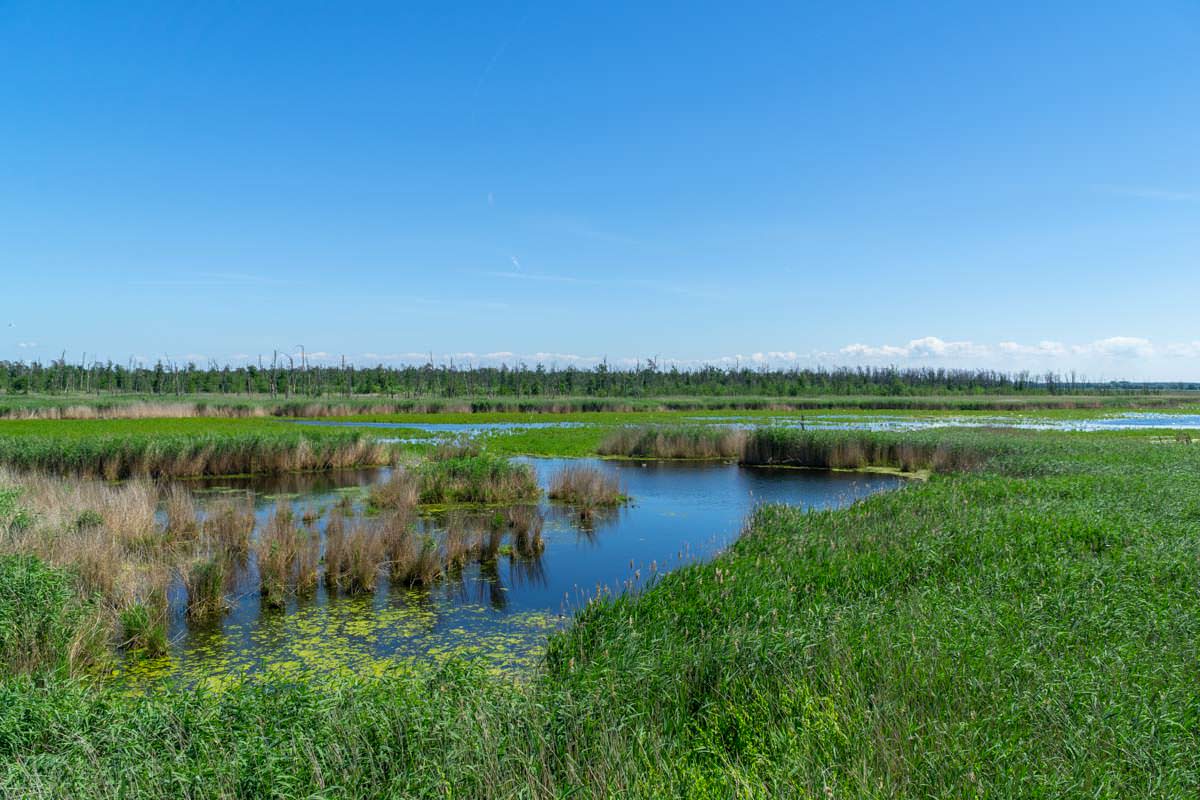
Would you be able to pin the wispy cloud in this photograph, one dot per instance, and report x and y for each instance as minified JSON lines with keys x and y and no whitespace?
{"x":27,"y":345}
{"x":931,"y":348}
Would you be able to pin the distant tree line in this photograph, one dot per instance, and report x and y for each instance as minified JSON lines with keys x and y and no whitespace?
{"x":287,"y":378}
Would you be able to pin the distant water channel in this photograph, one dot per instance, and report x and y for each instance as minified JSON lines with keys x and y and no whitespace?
{"x":1131,"y":420}
{"x":500,"y":611}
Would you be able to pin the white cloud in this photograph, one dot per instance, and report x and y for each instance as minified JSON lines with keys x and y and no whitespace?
{"x":927,"y":347}
{"x":931,"y":348}
{"x":1122,"y":347}
{"x":26,"y":345}
{"x":1041,"y":349}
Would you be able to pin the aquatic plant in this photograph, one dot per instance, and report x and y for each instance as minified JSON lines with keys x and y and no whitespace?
{"x":205,"y":585}
{"x":652,"y":441}
{"x":460,"y":447}
{"x":354,"y":551}
{"x":364,"y":554}
{"x":586,"y":488}
{"x":276,"y":551}
{"x":477,"y":479}
{"x":228,"y":524}
{"x":143,"y":630}
{"x":773,"y":446}
{"x":525,"y":525}
{"x":310,"y":516}
{"x":308,"y":561}
{"x":180,"y":508}
{"x":399,"y":491}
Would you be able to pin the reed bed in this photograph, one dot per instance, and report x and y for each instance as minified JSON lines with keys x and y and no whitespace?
{"x":205,"y":585}
{"x":400,"y":491}
{"x":697,"y":442}
{"x":135,"y":455}
{"x":143,"y":628}
{"x":525,"y":526}
{"x":586,"y":486}
{"x":276,"y":550}
{"x":779,"y":446}
{"x":477,"y":479}
{"x":104,"y":544}
{"x":354,"y":552}
{"x":229,"y":523}
{"x":180,"y":508}
{"x":860,"y":449}
{"x":308,"y":561}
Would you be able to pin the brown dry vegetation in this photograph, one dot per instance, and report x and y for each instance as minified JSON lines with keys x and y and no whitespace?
{"x":795,"y":448}
{"x":228,"y":524}
{"x":276,"y":550}
{"x":107,"y":538}
{"x":586,"y":487}
{"x":707,"y":442}
{"x":399,"y":491}
{"x":354,"y":551}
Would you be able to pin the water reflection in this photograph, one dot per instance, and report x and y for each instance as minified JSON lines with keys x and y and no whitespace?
{"x":512,"y":575}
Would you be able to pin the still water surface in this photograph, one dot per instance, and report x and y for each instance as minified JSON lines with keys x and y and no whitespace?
{"x":499,"y":611}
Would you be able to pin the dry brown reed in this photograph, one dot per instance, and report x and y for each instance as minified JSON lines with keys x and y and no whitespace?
{"x":586,"y":487}
{"x":399,"y":491}
{"x":308,"y":560}
{"x":276,"y":550}
{"x":354,"y":551}
{"x":180,"y":507}
{"x":456,"y":448}
{"x":228,"y":525}
{"x":856,"y":450}
{"x":709,"y":442}
{"x":525,"y":525}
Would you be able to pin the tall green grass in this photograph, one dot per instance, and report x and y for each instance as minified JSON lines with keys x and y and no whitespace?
{"x":182,"y":448}
{"x":43,"y":626}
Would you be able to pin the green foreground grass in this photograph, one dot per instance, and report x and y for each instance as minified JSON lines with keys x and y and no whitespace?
{"x":1029,"y":629}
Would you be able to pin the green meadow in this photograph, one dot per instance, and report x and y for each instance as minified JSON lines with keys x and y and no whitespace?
{"x":1024,"y":622}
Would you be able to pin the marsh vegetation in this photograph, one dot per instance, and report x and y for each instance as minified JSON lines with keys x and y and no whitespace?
{"x":985,"y":610}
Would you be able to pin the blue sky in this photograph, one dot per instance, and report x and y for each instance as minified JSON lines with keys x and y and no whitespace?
{"x":1008,"y":185}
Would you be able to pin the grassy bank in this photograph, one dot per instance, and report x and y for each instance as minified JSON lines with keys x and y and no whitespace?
{"x":169,"y":448}
{"x":89,"y":407}
{"x":1030,"y":628}
{"x":946,"y":450}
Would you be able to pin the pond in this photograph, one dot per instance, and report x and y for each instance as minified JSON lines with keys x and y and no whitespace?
{"x":500,"y":610}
